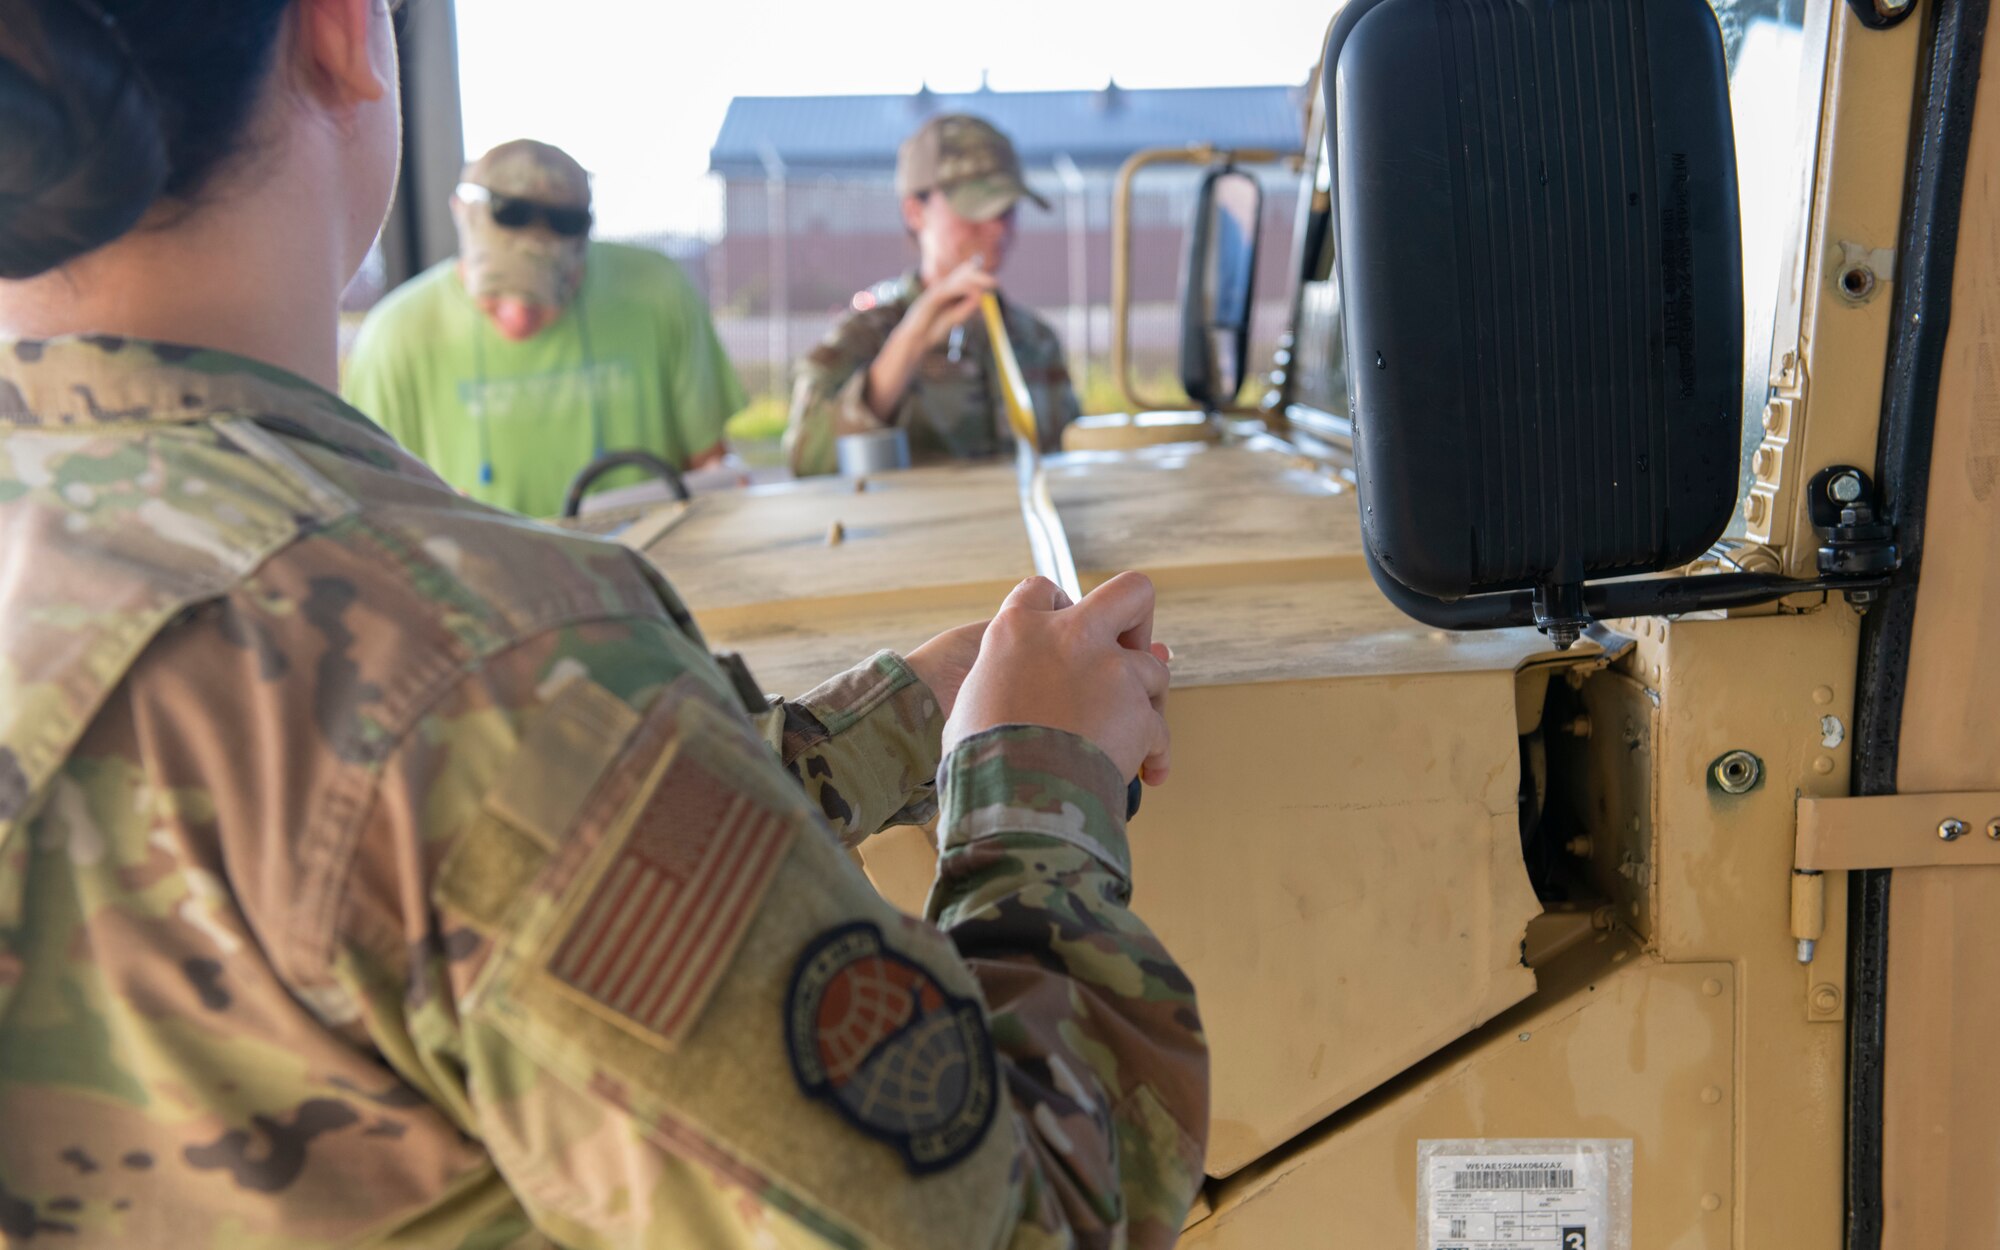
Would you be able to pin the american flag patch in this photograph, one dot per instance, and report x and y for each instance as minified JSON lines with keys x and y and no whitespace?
{"x":652,"y":939}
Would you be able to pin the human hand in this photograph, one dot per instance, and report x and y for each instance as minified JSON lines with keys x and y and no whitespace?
{"x":945,"y":305}
{"x":1092,"y":669}
{"x":948,"y":303}
{"x":942,"y":663}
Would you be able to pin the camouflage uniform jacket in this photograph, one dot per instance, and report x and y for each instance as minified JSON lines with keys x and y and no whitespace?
{"x":951,"y":408}
{"x":380,"y":869}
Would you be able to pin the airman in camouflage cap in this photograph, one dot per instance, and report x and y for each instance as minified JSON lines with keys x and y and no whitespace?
{"x":914,"y":353}
{"x":967,"y":159}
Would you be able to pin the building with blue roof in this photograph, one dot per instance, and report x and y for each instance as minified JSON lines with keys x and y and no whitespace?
{"x":1095,"y":129}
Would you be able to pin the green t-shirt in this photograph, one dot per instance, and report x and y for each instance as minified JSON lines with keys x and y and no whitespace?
{"x":633,"y":364}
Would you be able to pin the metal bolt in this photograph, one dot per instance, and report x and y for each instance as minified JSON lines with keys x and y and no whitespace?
{"x":1993,"y":829}
{"x":1806,"y":948}
{"x":1895,"y":6}
{"x":1737,"y":772}
{"x":1952,"y":829}
{"x":1845,"y":487}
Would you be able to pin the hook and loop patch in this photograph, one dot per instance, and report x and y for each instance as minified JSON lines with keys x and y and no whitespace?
{"x":900,"y":1057}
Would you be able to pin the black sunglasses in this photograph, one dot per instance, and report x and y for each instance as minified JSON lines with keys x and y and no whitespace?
{"x":513,"y":213}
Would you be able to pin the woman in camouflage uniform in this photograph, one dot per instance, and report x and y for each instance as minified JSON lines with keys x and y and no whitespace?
{"x":378,"y":868}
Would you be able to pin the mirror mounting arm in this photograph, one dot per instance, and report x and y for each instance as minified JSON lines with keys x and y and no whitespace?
{"x":1846,"y":514}
{"x":1647,"y":596}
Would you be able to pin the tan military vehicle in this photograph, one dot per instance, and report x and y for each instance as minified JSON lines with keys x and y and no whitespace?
{"x":1585,"y":828}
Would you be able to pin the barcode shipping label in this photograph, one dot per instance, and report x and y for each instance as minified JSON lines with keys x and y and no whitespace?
{"x":1524,"y":1194}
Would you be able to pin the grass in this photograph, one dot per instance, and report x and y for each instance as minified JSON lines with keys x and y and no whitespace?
{"x":756,"y":434}
{"x":1102,"y":393}
{"x":762,"y":422}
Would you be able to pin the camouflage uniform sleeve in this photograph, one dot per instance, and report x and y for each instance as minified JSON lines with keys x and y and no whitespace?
{"x":1097,"y":1021}
{"x":827,"y":397}
{"x":683,"y":1017}
{"x":866,"y":747}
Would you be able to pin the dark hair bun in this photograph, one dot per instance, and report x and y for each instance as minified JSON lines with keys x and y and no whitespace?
{"x":85,"y":153}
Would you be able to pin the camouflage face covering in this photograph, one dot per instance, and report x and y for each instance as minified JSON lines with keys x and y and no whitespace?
{"x":531,"y":263}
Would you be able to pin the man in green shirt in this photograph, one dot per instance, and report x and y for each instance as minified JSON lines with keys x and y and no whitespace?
{"x":533,"y":352}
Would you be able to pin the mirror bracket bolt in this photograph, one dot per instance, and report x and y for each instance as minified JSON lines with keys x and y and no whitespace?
{"x":1559,"y":613}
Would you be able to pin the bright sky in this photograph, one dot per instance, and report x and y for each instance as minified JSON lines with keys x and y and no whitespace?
{"x":636,"y":89}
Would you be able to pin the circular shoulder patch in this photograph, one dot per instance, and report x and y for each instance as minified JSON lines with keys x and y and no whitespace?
{"x":899,"y":1057}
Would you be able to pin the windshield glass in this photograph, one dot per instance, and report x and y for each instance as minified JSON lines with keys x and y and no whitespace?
{"x":1776,"y":113}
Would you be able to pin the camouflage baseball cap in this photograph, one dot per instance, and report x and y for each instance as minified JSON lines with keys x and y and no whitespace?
{"x":969,"y":160}
{"x":533,"y":262}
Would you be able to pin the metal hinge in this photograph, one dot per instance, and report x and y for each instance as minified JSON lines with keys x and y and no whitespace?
{"x":1951,"y":830}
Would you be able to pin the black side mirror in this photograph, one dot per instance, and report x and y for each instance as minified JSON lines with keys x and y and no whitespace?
{"x":1535,"y":217}
{"x":1218,"y":283}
